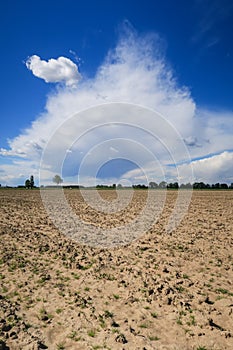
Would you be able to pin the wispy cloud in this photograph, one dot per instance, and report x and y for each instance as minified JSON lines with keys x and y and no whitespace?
{"x":212,"y":14}
{"x":192,"y":141}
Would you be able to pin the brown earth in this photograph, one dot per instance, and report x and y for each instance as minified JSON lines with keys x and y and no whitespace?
{"x":162,"y":291}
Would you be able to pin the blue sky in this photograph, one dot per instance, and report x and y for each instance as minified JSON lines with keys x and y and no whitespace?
{"x":192,"y":40}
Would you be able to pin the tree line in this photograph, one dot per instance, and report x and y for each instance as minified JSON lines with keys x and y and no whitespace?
{"x":195,"y":185}
{"x":173,"y":185}
{"x":30,"y":184}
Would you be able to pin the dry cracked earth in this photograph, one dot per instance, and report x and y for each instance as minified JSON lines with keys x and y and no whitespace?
{"x":162,"y":291}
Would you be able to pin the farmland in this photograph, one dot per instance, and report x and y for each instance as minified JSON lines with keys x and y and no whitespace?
{"x":161,"y":291}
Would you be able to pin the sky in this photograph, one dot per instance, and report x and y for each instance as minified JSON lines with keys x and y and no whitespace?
{"x":109,"y":92}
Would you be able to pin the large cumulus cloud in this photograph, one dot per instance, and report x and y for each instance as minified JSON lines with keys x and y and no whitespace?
{"x":136,"y":72}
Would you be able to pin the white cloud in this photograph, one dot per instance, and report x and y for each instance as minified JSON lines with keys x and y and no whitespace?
{"x":134,"y":72}
{"x":18,"y":171}
{"x":57,"y":70}
{"x":212,"y":169}
{"x":217,"y":168}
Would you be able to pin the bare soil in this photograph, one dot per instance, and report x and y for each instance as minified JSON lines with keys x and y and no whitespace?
{"x":162,"y":291}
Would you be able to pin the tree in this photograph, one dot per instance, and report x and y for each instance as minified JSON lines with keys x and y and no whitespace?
{"x":153,"y":184}
{"x":224,"y":186}
{"x":174,"y":185}
{"x":27,"y":183}
{"x":199,"y":185}
{"x":188,"y":185}
{"x":31,"y":181}
{"x":162,"y":184}
{"x":139,"y":186}
{"x":57,"y":179}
